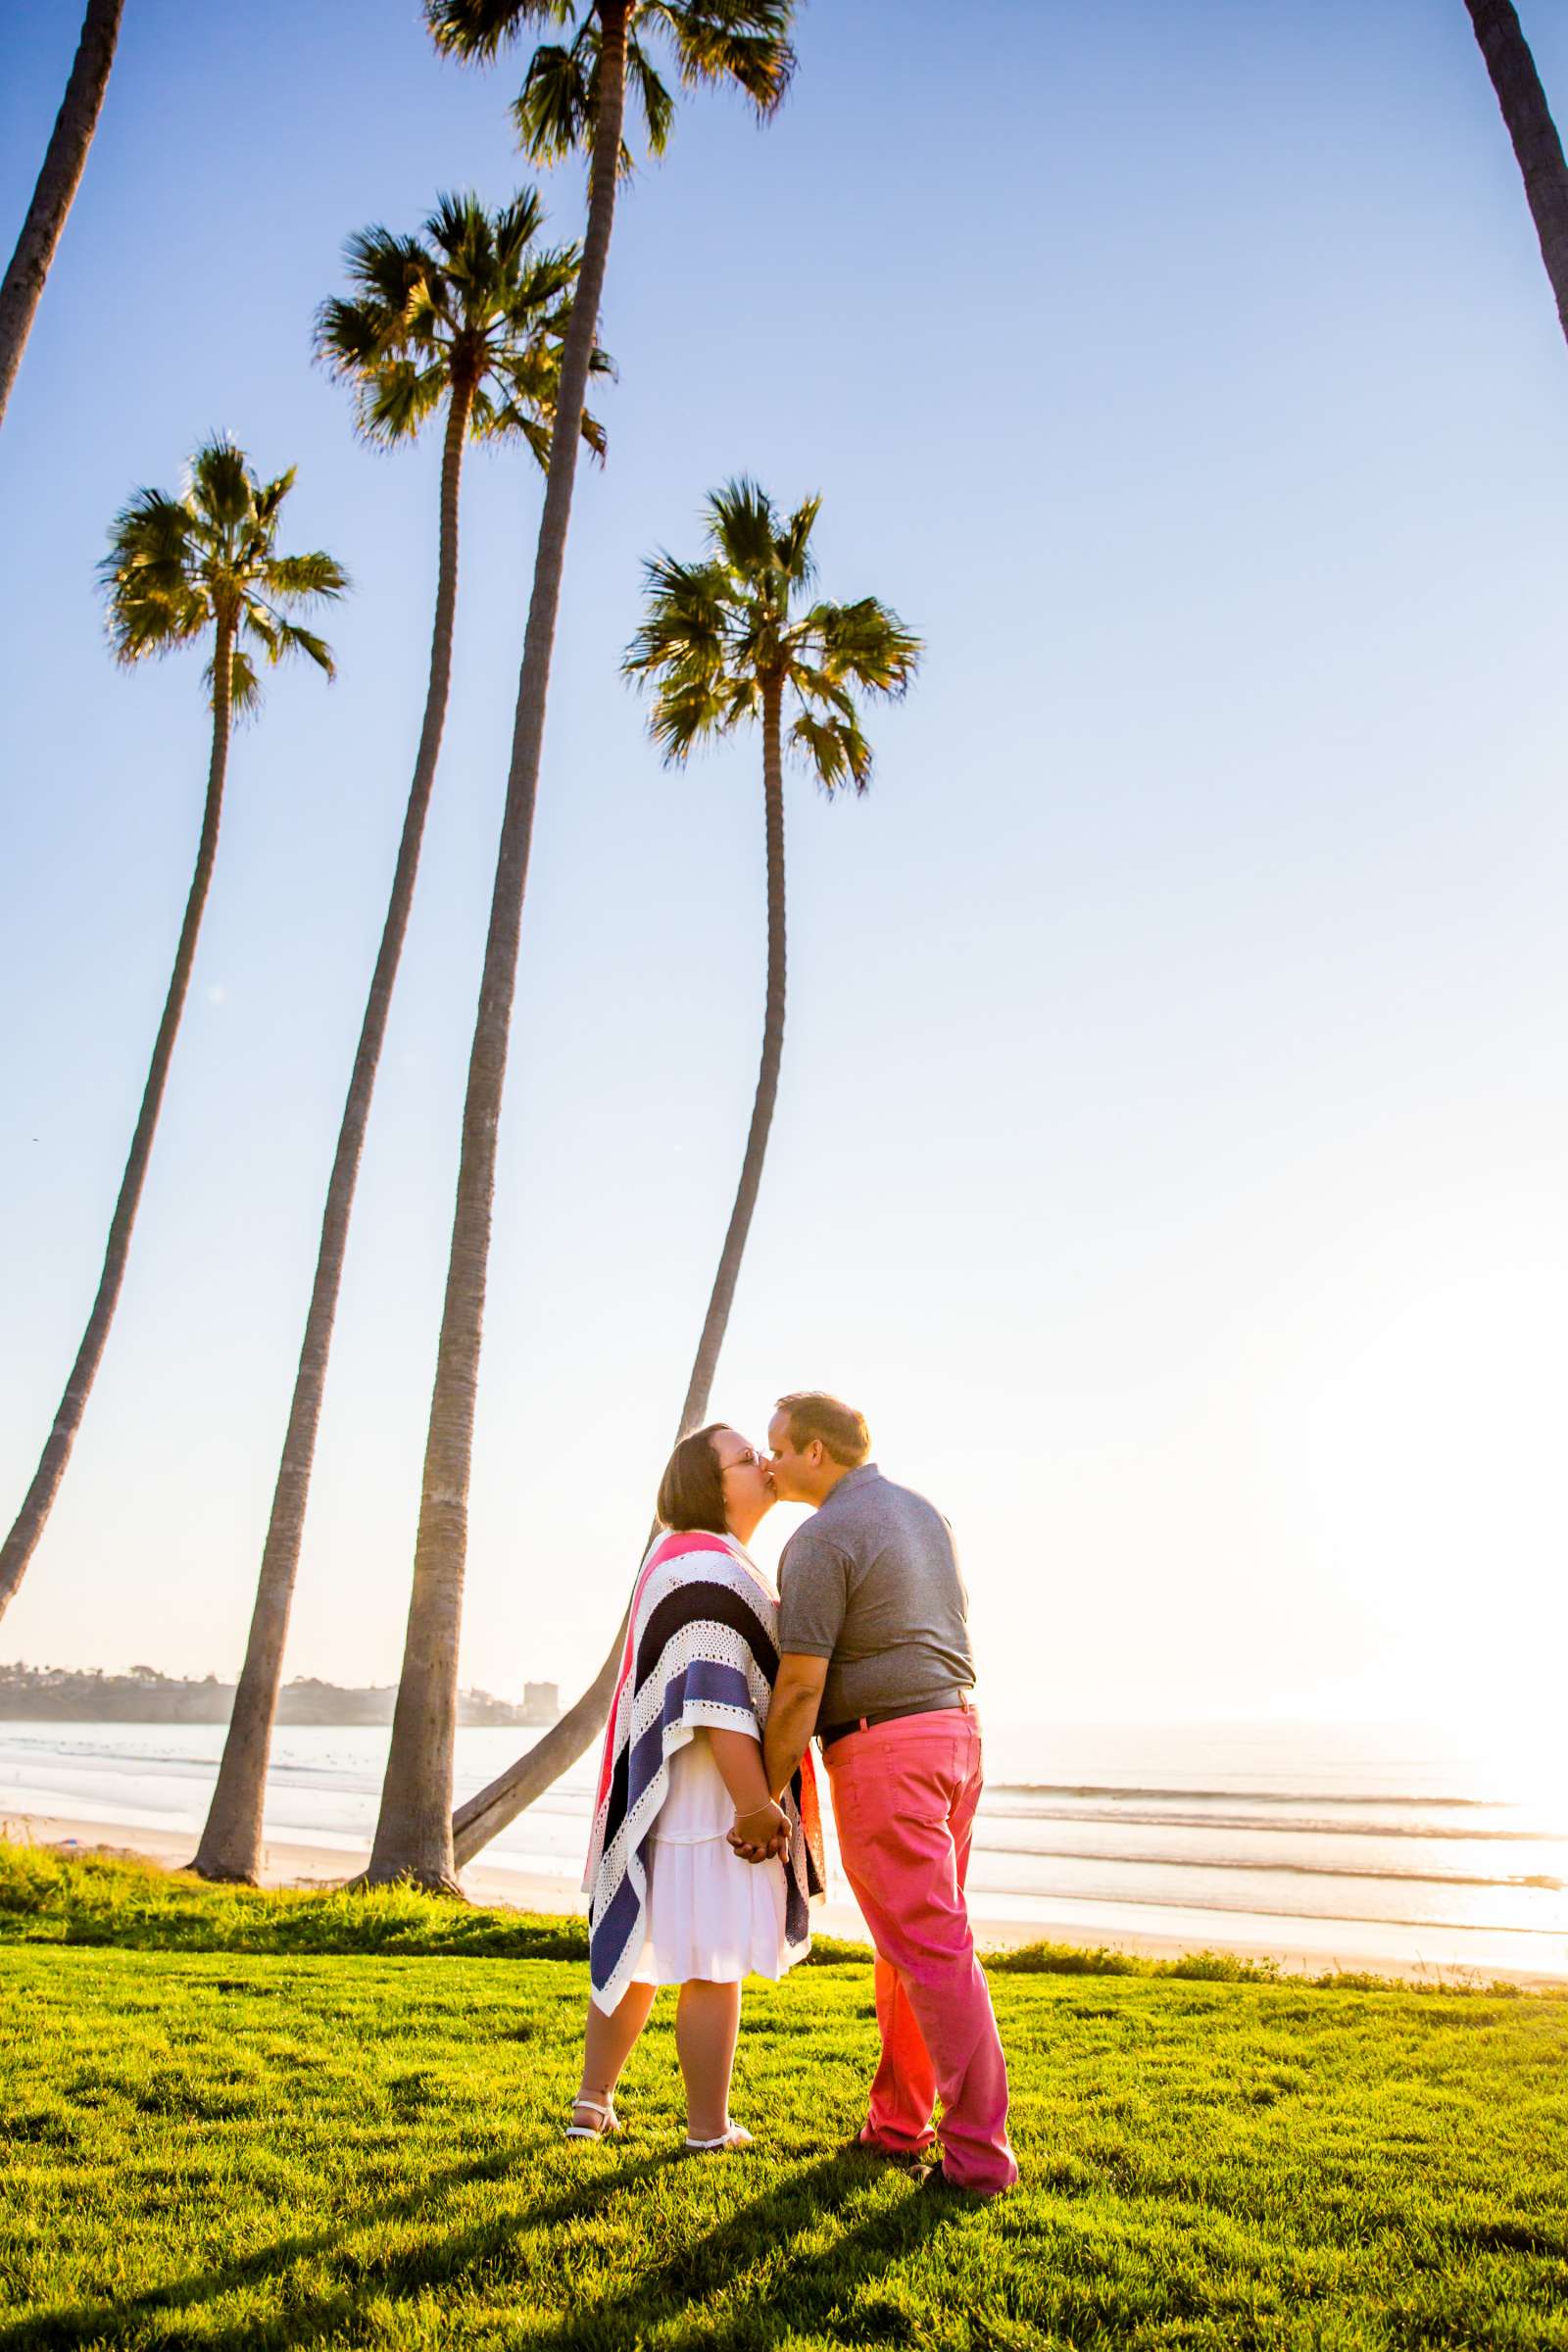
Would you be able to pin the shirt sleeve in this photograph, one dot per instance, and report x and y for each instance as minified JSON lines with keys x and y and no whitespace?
{"x":813,"y":1593}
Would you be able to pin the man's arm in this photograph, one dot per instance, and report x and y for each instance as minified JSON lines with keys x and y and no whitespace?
{"x":792,"y":1717}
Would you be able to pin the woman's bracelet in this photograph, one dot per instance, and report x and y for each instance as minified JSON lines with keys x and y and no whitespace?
{"x":777,"y":1812}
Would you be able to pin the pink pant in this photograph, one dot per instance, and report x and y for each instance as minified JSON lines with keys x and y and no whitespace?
{"x":903,"y":1798}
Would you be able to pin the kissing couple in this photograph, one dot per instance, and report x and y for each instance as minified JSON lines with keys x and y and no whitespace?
{"x":707,"y":1840}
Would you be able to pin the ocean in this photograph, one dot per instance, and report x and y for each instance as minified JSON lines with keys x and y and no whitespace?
{"x":1329,"y":1843}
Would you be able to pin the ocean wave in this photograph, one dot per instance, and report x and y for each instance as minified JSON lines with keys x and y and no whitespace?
{"x":1249,"y":1797}
{"x":1539,"y":1880}
{"x":1273,"y":1911}
{"x":1265,"y":1825}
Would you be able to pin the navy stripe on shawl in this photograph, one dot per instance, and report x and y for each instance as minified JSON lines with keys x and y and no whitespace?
{"x":701,"y":1680}
{"x":697,"y":1600}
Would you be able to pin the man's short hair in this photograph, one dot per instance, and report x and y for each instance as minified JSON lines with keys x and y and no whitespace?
{"x":841,"y":1429}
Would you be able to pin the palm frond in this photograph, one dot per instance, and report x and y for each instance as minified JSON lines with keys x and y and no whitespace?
{"x":743,"y":526}
{"x":654,"y":101}
{"x":494,"y":420}
{"x":513,"y":230}
{"x":221,"y":481}
{"x":529,"y":291}
{"x":816,"y":686}
{"x":150,"y":578}
{"x":594,"y":435}
{"x":745,"y":43}
{"x":554,"y":109}
{"x":458,"y":225}
{"x":504,"y":420}
{"x":683,"y":715}
{"x":721,"y":637}
{"x":558,"y":107}
{"x":175,"y":565}
{"x":151,"y":536}
{"x":143,"y":628}
{"x":480,"y":29}
{"x":391,"y":275}
{"x":866,"y":643}
{"x":302,"y":580}
{"x":263,"y":625}
{"x":295,"y":640}
{"x":244,"y":687}
{"x":349,"y":335}
{"x":267,"y":499}
{"x":394,"y":401}
{"x":686,"y":620}
{"x":742,"y":42}
{"x":279,"y":638}
{"x":836,"y":751}
{"x":795,"y":557}
{"x":527,"y":373}
{"x":474,"y":299}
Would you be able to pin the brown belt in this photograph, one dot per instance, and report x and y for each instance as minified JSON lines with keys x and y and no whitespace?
{"x":950,"y":1699}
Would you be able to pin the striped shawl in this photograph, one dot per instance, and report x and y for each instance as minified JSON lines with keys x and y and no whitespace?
{"x":701,"y":1649}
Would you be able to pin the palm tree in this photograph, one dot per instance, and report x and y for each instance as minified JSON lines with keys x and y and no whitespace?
{"x":731,"y":641}
{"x":64,"y":159}
{"x":727,"y":647}
{"x":472,"y":319}
{"x":179,"y":569}
{"x":1532,"y":132}
{"x":572,"y":101}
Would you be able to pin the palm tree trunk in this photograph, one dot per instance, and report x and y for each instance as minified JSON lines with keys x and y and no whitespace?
{"x":1532,"y":132}
{"x":522,"y":1784}
{"x":230,"y":1842}
{"x":716,"y":1320}
{"x":62,"y":165}
{"x":485,"y":1815}
{"x":23,"y":1541}
{"x":413,"y":1830}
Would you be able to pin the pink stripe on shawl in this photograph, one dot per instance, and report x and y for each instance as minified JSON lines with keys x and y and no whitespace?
{"x":668,"y":1547}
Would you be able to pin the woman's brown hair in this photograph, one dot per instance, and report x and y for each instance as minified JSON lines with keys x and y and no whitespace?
{"x":691,"y":1492}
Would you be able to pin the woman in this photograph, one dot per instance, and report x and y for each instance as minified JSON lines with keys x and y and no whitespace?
{"x":672,"y":1903}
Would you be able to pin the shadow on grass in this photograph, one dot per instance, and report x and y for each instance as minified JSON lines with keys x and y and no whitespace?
{"x":125,"y":2319}
{"x":817,"y":2288}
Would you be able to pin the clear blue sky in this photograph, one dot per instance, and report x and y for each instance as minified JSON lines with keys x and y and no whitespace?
{"x":1173,"y":1143}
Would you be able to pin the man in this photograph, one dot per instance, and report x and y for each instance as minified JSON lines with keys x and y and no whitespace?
{"x":875,"y":1656}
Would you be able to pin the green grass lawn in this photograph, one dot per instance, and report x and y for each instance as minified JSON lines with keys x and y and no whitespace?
{"x":257,"y":2119}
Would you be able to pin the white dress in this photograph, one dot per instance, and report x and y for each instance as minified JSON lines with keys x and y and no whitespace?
{"x":709,"y":1914}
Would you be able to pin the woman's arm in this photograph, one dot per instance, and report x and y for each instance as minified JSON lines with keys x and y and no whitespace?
{"x":739,"y":1758}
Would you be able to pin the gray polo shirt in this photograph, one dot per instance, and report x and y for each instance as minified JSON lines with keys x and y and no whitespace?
{"x":871,"y":1581}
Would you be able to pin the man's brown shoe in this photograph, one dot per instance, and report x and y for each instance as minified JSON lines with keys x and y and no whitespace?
{"x":932,"y":2176}
{"x":907,"y":2159}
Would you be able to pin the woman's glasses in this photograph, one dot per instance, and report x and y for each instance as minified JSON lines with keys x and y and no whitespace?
{"x":750,"y":1459}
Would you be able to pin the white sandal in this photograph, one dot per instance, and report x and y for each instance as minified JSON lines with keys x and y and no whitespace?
{"x":731,"y":2137}
{"x":609,"y":2125}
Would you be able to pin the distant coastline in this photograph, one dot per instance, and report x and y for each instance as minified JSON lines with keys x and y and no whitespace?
{"x":62,"y":1694}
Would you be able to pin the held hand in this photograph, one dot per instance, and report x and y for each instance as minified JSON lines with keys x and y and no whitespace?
{"x":759,"y":1834}
{"x":774,"y":1851}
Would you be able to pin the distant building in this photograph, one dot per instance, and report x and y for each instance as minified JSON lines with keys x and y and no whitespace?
{"x":145,"y":1695}
{"x":541,"y":1702}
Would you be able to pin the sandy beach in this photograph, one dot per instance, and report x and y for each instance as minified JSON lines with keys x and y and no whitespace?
{"x":286,"y":1864}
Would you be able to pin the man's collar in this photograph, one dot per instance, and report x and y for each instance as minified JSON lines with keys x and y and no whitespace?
{"x":851,"y":1478}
